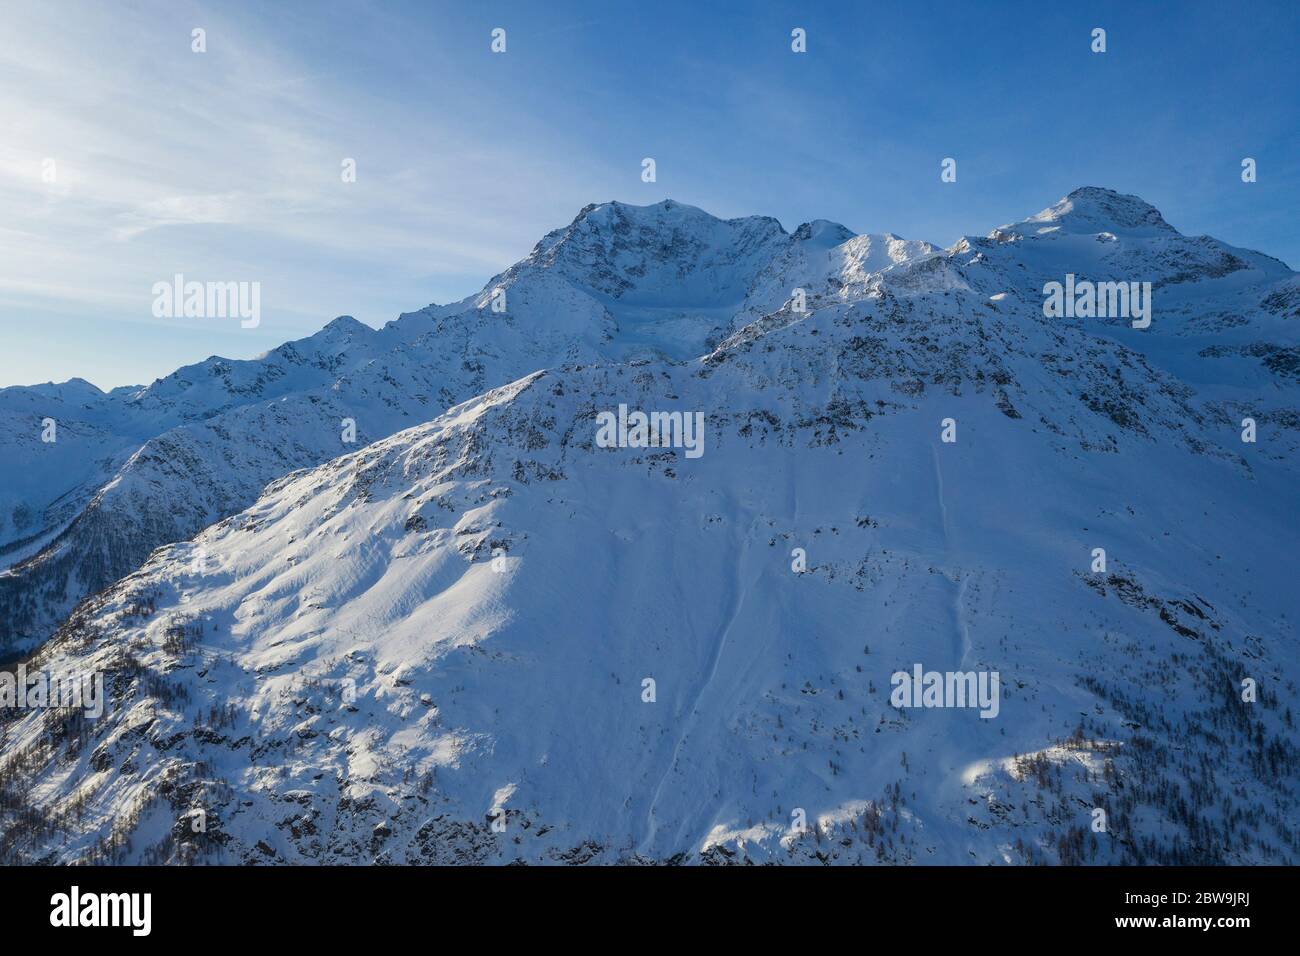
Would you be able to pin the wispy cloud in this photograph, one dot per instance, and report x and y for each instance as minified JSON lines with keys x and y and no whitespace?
{"x":127,"y":156}
{"x":180,"y":210}
{"x":226,"y":164}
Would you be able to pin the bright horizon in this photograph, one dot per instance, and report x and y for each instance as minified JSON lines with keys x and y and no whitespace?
{"x":225,"y":165}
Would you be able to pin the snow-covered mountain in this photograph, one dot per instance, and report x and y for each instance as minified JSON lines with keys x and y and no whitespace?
{"x":436,"y":648}
{"x":138,"y":468}
{"x":1225,"y":319}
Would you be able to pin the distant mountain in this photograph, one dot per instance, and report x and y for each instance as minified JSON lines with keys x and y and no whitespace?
{"x":139,"y":468}
{"x":492,"y":637}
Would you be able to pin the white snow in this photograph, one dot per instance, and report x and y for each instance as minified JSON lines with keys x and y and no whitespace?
{"x":458,"y":618}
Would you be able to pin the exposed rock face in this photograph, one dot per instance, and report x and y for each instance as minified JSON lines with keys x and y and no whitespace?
{"x":436,"y":647}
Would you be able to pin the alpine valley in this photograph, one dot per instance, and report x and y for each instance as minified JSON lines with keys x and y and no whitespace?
{"x":478,"y":635}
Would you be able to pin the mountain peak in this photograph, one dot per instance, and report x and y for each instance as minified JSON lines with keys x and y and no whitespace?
{"x":366,"y":644}
{"x":80,"y":385}
{"x":1089,"y":210}
{"x":667,"y":254}
{"x":344,"y":324}
{"x":601,"y":212}
{"x":823,"y":232}
{"x":667,"y":213}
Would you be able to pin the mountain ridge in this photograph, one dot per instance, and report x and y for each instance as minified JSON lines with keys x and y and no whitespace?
{"x":587,"y":292}
{"x":434,"y":647}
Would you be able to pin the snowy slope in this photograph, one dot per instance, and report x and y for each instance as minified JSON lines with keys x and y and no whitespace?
{"x":1226,"y":321}
{"x":433,"y":649}
{"x":43,"y":483}
{"x":143,"y":467}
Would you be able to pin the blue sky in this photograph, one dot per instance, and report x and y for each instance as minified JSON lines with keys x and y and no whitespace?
{"x":226,"y":165}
